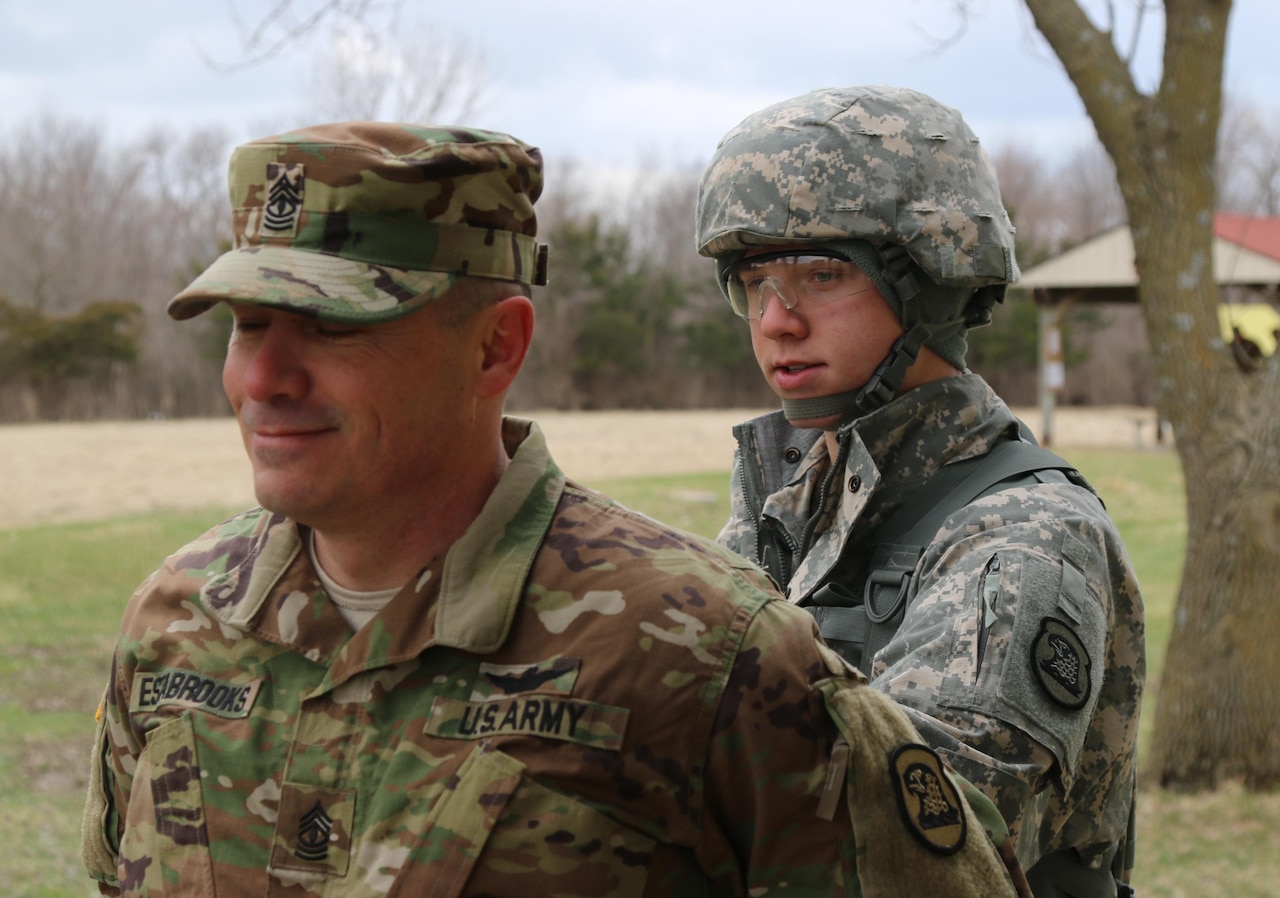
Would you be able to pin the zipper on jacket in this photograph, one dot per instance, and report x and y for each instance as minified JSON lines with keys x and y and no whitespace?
{"x":836,"y":473}
{"x":988,"y":593}
{"x":750,"y":478}
{"x":768,"y":546}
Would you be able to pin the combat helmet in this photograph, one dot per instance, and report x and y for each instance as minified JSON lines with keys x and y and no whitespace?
{"x":886,"y":177}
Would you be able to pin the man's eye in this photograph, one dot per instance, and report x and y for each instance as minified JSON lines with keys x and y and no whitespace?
{"x":335,"y":331}
{"x":828,"y":276}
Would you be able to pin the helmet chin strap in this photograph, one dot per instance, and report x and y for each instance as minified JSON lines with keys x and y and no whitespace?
{"x":877,"y":392}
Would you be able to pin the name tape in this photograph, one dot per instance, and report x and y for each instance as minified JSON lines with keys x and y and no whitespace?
{"x":187,"y":689}
{"x":546,"y":716}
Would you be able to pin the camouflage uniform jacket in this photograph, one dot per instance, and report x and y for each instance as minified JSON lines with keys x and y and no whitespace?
{"x":575,"y":700}
{"x":1002,"y":578}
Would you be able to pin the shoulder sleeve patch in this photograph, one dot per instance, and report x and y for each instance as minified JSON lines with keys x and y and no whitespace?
{"x":929,"y":801}
{"x":1061,"y":664}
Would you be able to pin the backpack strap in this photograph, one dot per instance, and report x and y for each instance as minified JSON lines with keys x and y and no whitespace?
{"x":858,"y":626}
{"x":959,"y":483}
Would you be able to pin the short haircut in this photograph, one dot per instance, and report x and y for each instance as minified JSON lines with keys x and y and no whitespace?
{"x":471,"y":295}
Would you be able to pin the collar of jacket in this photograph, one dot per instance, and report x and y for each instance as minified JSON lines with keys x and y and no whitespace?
{"x":889,"y":452}
{"x":484,"y":571}
{"x":963,"y":405}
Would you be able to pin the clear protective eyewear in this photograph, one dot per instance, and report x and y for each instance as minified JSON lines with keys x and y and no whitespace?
{"x":796,"y":279}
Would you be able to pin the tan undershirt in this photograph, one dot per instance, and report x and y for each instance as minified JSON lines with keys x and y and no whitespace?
{"x":358,"y":608}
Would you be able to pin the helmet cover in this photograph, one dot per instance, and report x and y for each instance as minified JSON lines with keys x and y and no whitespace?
{"x":888,"y":165}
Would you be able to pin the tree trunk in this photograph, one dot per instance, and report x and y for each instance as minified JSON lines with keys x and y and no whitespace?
{"x":1219,"y":713}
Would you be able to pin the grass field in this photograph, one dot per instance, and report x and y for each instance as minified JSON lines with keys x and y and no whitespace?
{"x":62,"y":588}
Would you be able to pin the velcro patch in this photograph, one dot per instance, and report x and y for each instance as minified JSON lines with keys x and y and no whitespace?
{"x":187,"y":689}
{"x":928,"y":799}
{"x":546,"y":716}
{"x":495,"y":680}
{"x":314,"y":830}
{"x":1061,"y":664}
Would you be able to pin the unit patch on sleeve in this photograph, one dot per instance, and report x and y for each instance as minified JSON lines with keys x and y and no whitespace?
{"x":929,"y":801}
{"x":1061,"y":664}
{"x":187,"y":689}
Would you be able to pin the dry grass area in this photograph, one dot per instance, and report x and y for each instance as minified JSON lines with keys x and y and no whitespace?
{"x":54,"y":473}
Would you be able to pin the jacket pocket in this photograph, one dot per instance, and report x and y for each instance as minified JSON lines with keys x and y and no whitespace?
{"x":498,"y":832}
{"x":99,"y":848}
{"x":165,"y":848}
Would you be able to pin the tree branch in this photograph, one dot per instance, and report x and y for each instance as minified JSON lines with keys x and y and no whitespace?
{"x":1101,"y":77}
{"x":257,"y":44}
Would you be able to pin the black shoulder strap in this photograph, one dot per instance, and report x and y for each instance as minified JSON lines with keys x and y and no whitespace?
{"x":959,"y":483}
{"x":859,"y":626}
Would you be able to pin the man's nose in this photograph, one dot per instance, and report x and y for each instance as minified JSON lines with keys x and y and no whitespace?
{"x":276,"y":369}
{"x":778,"y":316}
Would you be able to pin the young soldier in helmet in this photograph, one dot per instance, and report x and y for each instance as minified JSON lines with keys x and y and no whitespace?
{"x":860,"y":233}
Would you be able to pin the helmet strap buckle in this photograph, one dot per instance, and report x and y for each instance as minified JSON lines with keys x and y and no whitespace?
{"x":884,"y":383}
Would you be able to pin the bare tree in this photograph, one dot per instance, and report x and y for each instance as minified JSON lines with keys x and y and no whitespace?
{"x":376,"y":65}
{"x":82,"y":222}
{"x":1249,"y":160}
{"x":545,"y":380}
{"x":1055,"y":206}
{"x":184,"y":227}
{"x":1089,"y":200}
{"x":1027,"y":188}
{"x":64,"y":202}
{"x":287,"y":22}
{"x":417,"y":74}
{"x":658,"y":208}
{"x":1218,"y":711}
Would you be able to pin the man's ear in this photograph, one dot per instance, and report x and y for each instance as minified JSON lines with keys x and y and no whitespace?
{"x":508,"y":330}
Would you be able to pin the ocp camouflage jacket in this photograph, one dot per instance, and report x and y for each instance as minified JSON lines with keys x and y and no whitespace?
{"x":575,"y":700}
{"x":1007,"y":581}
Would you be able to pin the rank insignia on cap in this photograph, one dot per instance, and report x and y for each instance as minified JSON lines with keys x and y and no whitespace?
{"x":284,"y":199}
{"x":929,"y":801}
{"x":1061,"y":664}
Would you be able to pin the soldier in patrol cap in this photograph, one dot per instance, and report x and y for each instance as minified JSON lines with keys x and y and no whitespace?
{"x":431,"y":664}
{"x":860,"y":233}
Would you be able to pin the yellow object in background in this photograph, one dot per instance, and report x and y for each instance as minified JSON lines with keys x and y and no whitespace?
{"x":1257,"y":322}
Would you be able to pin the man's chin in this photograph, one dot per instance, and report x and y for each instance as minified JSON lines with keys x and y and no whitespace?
{"x":283,"y":499}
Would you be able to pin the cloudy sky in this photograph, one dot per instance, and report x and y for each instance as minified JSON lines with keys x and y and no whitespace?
{"x":606,"y":82}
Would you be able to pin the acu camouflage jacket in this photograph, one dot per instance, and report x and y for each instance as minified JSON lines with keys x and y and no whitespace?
{"x":1006,"y":582}
{"x":575,"y":700}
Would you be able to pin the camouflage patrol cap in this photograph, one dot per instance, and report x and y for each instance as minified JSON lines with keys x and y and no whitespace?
{"x":888,"y":165}
{"x":362,"y":222}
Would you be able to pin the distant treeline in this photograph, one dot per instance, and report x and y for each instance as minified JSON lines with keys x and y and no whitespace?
{"x":94,"y":240}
